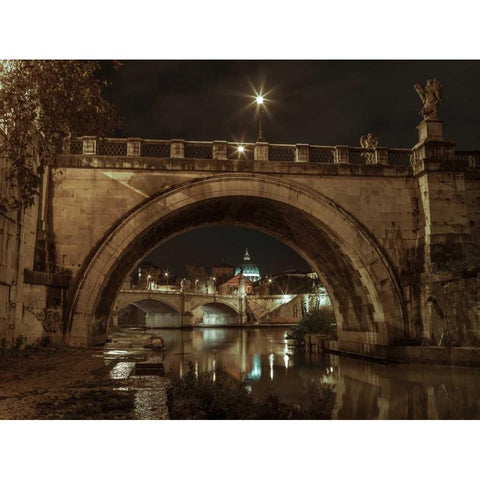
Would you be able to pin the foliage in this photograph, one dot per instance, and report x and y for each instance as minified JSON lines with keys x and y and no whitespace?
{"x":14,"y":350}
{"x":225,"y":398}
{"x":196,"y":272}
{"x":461,"y":259}
{"x":291,"y":283}
{"x":315,"y":320}
{"x":193,"y":273}
{"x":42,"y":104}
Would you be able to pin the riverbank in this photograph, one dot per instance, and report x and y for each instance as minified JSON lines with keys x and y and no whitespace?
{"x":423,"y":354}
{"x":81,"y":383}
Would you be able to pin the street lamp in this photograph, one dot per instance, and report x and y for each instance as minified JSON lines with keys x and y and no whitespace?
{"x":214,"y":285}
{"x":259,"y":100}
{"x":196,"y":281}
{"x":166,"y":276}
{"x":148,"y":282}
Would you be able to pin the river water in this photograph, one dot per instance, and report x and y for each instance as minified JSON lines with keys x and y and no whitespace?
{"x":363,"y":389}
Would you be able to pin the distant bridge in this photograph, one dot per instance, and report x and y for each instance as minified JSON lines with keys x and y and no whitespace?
{"x":181,"y":306}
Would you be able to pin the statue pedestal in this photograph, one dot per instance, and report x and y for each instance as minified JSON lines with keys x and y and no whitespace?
{"x":430,"y":130}
{"x":432,"y":145}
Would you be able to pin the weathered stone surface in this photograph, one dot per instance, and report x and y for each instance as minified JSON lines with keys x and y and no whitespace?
{"x":378,"y":235}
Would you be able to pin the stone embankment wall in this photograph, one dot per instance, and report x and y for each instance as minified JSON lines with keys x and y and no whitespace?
{"x":30,"y":302}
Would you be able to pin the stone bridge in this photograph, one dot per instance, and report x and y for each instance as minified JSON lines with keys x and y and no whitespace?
{"x":387,"y":230}
{"x":182,"y":303}
{"x":255,"y":308}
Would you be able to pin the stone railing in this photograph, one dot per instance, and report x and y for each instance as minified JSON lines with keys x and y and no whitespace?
{"x":472,"y":158}
{"x":222,"y":150}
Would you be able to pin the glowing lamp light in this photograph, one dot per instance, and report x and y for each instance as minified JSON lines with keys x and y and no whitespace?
{"x":241,"y":148}
{"x":259,"y":99}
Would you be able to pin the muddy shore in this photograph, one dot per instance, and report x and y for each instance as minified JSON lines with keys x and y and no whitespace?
{"x":83,"y":383}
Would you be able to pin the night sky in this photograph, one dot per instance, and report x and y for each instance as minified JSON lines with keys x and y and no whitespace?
{"x":316,"y":102}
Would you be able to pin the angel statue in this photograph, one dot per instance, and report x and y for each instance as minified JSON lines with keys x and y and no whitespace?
{"x":368,"y":141}
{"x":431,"y":97}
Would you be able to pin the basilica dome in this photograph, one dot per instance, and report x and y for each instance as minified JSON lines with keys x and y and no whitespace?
{"x":248,"y":268}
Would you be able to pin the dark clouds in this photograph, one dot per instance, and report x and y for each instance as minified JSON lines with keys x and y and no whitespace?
{"x":209,"y":246}
{"x":316,"y":102}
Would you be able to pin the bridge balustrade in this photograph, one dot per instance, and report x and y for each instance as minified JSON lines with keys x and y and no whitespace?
{"x":221,"y":150}
{"x":472,"y":158}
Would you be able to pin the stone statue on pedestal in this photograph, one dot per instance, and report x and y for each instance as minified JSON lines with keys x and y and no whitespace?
{"x":431,"y":96}
{"x":369,"y":141}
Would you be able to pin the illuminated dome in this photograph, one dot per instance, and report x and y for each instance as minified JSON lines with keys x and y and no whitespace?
{"x":249,"y":269}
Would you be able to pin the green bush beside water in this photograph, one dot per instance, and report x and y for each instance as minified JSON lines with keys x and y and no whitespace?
{"x":315,"y":320}
{"x":225,"y":398}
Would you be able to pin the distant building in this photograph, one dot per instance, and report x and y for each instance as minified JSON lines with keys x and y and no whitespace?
{"x":232,"y":286}
{"x":248,"y":268}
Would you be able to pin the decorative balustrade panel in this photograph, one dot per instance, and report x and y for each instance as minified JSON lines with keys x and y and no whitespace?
{"x":156,"y":149}
{"x":76,"y":147}
{"x":234,"y":154}
{"x":321,"y":155}
{"x":282,"y":153}
{"x":399,"y":157}
{"x":359,"y":156}
{"x":472,"y":158}
{"x":104,"y":147}
{"x":198,"y":150}
{"x":462,"y":156}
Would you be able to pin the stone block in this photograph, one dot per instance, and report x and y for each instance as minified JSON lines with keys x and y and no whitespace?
{"x":302,"y":152}
{"x":219,"y":150}
{"x":260,"y":151}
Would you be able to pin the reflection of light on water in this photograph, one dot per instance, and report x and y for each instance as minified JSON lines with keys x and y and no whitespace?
{"x":116,"y":352}
{"x":121,"y":370}
{"x":256,"y":371}
{"x":180,"y":373}
{"x":213,"y":336}
{"x":286,"y":358}
{"x":214,"y":375}
{"x":271,"y":358}
{"x":196,"y":369}
{"x":248,"y":388}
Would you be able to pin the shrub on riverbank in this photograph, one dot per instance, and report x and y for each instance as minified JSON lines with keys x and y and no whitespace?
{"x":315,"y":320}
{"x":204,"y":397}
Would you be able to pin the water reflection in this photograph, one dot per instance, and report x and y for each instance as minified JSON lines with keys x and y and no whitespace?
{"x":364,"y":390}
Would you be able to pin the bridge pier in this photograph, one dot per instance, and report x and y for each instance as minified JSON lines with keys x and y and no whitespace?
{"x":446,"y":293}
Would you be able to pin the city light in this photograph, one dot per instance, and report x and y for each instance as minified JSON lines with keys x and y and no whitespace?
{"x":259,"y":99}
{"x":241,"y":148}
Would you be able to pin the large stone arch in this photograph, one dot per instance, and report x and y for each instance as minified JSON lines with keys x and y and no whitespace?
{"x":218,"y":312}
{"x":129,"y":299}
{"x":358,"y":275}
{"x":199,"y":302}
